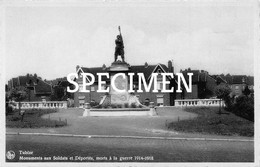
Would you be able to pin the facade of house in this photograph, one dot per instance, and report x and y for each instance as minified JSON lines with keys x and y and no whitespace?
{"x":160,"y":98}
{"x":38,"y":90}
{"x":238,"y":83}
{"x":203,"y":84}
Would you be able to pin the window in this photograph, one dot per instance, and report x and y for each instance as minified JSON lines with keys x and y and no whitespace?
{"x":243,"y":79}
{"x":92,"y":88}
{"x":81,"y":101}
{"x":237,"y":89}
{"x":159,"y":85}
{"x":80,"y":87}
{"x":80,"y":75}
{"x":160,"y":100}
{"x":104,"y":87}
{"x":135,"y":87}
{"x":81,"y":97}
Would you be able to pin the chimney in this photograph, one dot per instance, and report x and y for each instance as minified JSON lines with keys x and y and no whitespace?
{"x":170,"y":66}
{"x":145,"y":64}
{"x":104,"y":67}
{"x":77,"y":67}
{"x":243,"y":80}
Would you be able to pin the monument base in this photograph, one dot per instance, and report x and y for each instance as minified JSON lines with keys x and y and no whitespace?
{"x":119,"y":112}
{"x":119,"y":66}
{"x":119,"y":103}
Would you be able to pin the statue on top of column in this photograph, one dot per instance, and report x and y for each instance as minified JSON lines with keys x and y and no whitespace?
{"x":119,"y":50}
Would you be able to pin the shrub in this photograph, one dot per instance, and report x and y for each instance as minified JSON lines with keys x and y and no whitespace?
{"x":244,"y":107}
{"x":222,"y":91}
{"x":119,"y":106}
{"x":126,"y":105}
{"x":113,"y":106}
{"x":105,"y":106}
{"x":14,"y":118}
{"x":8,"y":110}
{"x":147,"y":102}
{"x":98,"y":106}
{"x":133,"y":105}
{"x":229,"y":103}
{"x":93,"y":103}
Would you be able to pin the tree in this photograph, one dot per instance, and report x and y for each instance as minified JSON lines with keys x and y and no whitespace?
{"x":244,"y":107}
{"x":246,"y":91}
{"x":8,"y":109}
{"x":18,"y":94}
{"x":222,"y":91}
{"x":58,"y":93}
{"x":35,"y":75}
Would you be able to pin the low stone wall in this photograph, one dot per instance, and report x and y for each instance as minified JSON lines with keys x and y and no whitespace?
{"x":39,"y":105}
{"x":199,"y":102}
{"x":120,"y":112}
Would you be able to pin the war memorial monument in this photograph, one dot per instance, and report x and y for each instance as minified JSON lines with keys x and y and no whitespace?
{"x":119,"y":101}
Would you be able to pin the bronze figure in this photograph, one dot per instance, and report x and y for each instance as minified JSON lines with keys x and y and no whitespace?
{"x":119,"y":50}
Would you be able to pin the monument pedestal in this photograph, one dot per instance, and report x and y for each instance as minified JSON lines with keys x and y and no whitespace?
{"x":121,"y":83}
{"x":120,"y":103}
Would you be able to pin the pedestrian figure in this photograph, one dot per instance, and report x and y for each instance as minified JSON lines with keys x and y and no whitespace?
{"x":22,"y":115}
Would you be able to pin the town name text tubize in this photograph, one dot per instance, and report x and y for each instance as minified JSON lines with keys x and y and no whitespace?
{"x":88,"y":79}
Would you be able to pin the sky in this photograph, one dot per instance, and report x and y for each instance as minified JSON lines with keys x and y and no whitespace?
{"x":52,"y":40}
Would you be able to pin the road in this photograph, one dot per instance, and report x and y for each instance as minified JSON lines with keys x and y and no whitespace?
{"x":153,"y":150}
{"x":156,"y":150}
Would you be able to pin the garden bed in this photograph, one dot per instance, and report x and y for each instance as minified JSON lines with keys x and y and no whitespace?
{"x":32,"y":119}
{"x":210,"y":122}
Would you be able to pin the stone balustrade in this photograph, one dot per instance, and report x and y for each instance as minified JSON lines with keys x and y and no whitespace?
{"x":40,"y":105}
{"x":198,"y":102}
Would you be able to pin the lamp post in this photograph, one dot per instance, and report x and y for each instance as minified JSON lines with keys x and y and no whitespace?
{"x":90,"y":94}
{"x":219,"y":111}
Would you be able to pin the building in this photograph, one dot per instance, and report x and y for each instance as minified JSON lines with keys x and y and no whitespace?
{"x":238,"y":83}
{"x":250,"y":83}
{"x":38,"y":89}
{"x":203,"y":84}
{"x":166,"y":99}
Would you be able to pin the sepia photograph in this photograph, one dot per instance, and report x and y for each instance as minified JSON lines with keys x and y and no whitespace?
{"x":129,"y":83}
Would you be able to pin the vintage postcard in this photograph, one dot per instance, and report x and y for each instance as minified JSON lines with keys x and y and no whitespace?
{"x":130,"y":83}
